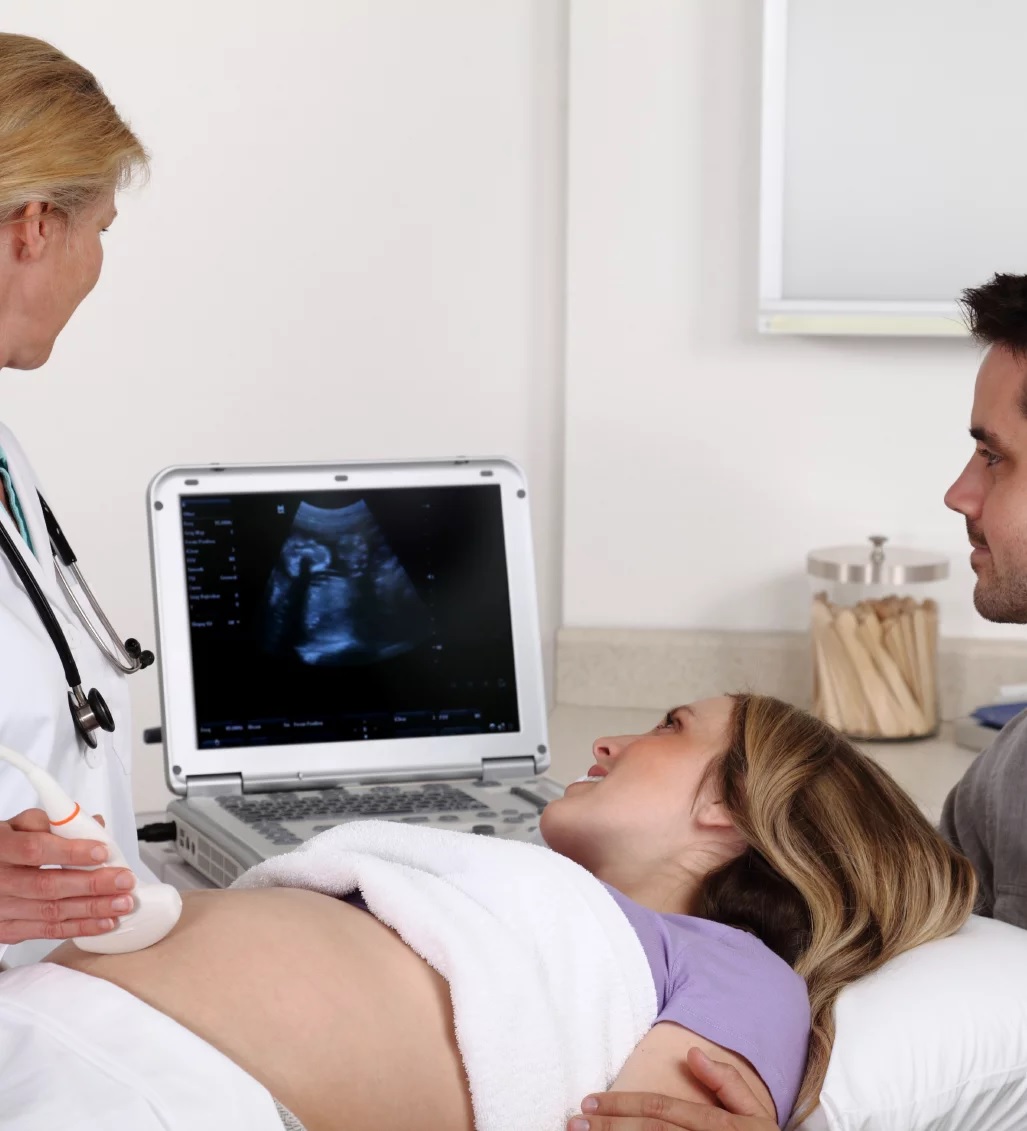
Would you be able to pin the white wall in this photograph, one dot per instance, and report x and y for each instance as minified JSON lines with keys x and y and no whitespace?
{"x":351,"y":246}
{"x":703,"y":461}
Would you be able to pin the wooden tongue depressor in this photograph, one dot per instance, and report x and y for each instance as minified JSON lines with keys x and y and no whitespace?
{"x":909,"y":643}
{"x":853,"y":709}
{"x":868,"y":619}
{"x":886,"y":711}
{"x":911,"y":714}
{"x":895,"y":645}
{"x":931,"y":609}
{"x":931,"y":612}
{"x":925,"y":661}
{"x":887,"y":607}
{"x":827,"y":698}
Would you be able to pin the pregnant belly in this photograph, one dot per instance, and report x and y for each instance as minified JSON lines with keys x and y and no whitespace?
{"x":329,"y":1009}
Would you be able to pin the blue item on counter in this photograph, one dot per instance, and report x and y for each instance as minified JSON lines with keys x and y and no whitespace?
{"x":998,"y":714}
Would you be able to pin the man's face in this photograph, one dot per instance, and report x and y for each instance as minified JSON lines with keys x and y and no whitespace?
{"x":991,"y":493}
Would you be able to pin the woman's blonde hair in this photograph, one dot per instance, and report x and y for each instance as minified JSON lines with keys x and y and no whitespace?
{"x":842,"y":873}
{"x":62,"y":143}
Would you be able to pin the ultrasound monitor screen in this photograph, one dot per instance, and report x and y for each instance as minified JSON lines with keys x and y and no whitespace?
{"x":343,"y":616}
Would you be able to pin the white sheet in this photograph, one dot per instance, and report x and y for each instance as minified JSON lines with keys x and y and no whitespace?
{"x":78,"y":1054}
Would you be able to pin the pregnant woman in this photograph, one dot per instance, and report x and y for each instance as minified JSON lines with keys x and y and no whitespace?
{"x":761,"y":860}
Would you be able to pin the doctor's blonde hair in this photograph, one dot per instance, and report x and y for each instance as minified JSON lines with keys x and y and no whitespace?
{"x":842,"y":873}
{"x":62,"y":143}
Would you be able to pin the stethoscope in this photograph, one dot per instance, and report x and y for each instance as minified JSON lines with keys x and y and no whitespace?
{"x":88,"y":711}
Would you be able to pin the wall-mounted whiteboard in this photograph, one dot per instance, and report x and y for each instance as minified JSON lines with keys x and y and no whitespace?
{"x":893,"y":162}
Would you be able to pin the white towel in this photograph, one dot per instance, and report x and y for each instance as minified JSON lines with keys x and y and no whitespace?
{"x":551,"y":988}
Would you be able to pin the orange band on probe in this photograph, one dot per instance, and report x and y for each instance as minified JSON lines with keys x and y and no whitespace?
{"x":54,"y":824}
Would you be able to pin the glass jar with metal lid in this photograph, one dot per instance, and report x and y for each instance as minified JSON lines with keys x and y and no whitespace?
{"x":875,"y":640}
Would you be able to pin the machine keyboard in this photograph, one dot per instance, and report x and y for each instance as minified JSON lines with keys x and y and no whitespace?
{"x":379,"y":800}
{"x":277,"y":816}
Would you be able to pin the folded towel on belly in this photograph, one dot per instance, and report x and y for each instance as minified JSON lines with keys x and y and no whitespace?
{"x":551,"y":988}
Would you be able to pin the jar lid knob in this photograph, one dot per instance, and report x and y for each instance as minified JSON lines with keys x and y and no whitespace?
{"x":877,"y":554}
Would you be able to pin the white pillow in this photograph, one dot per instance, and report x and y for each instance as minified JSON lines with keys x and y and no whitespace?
{"x":936,"y":1039}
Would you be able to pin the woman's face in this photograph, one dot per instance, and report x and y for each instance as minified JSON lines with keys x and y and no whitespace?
{"x":642,"y":802}
{"x":49,"y":265}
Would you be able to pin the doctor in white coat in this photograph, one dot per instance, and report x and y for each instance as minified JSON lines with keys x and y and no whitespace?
{"x":64,"y":152}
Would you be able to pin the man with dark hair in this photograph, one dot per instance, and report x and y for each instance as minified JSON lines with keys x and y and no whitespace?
{"x":985,"y":815}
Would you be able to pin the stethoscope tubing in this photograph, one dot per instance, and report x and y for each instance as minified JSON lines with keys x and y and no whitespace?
{"x":64,"y":556}
{"x":121,"y":659}
{"x":42,"y":607}
{"x":89,"y":711}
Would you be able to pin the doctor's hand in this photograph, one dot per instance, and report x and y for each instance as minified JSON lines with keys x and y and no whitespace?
{"x":739,"y":1110}
{"x":50,"y":903}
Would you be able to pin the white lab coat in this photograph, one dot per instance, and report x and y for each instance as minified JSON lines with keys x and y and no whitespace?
{"x":34,"y":716}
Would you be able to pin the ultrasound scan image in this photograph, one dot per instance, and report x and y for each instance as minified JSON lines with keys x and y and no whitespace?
{"x":338,"y":594}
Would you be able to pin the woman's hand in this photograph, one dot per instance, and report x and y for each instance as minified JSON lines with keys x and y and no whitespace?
{"x":50,"y":903}
{"x":640,"y":1111}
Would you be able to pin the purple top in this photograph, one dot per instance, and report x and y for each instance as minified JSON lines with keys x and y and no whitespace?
{"x":730,"y":988}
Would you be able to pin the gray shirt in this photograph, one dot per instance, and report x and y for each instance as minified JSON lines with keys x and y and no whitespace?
{"x":985,"y":817}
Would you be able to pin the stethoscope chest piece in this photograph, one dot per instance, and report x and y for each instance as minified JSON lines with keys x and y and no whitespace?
{"x":90,"y":714}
